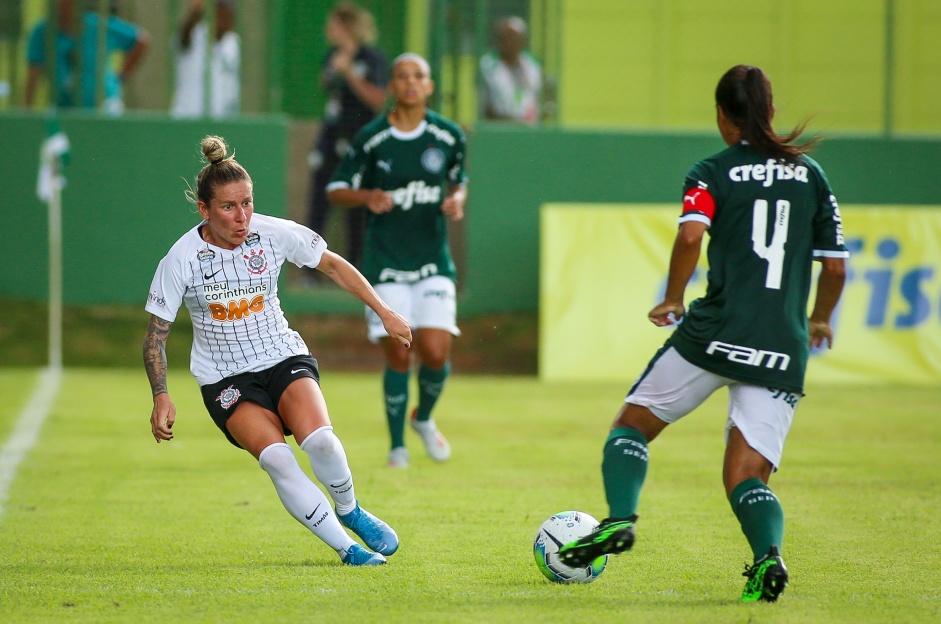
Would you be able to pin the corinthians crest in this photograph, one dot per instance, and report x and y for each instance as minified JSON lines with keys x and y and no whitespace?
{"x":228,"y":397}
{"x":256,"y":262}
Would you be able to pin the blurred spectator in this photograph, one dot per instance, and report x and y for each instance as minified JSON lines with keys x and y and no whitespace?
{"x":355,"y":74}
{"x":511,"y":79}
{"x":76,"y":51}
{"x":189,"y":43}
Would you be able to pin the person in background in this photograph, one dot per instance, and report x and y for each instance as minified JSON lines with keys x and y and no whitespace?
{"x":354,"y":76}
{"x":407,"y":167}
{"x":189,"y":44}
{"x":258,"y":380}
{"x":770,"y":214}
{"x":76,"y":55}
{"x":510,"y":79}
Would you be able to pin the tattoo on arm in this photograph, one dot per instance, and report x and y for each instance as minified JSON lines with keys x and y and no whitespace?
{"x":155,"y":354}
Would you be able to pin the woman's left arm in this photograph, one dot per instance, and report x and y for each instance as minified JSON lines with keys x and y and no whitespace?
{"x":353,"y":282}
{"x":453,"y":204}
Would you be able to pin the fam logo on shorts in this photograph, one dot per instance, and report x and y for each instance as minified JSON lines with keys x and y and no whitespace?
{"x":433,"y":160}
{"x":205,"y":255}
{"x":255,"y":262}
{"x":228,"y":397}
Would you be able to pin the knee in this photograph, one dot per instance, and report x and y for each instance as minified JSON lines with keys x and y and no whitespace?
{"x":278,"y":460}
{"x":435,"y":359}
{"x":321,"y":443}
{"x":398,"y":360}
{"x":640,"y":419}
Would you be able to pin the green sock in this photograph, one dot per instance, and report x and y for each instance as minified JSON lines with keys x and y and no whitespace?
{"x":760,"y":514}
{"x":395,"y":388}
{"x":624,"y":469}
{"x":430,"y":385}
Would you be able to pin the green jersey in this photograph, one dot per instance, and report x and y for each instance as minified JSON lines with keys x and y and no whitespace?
{"x":768,"y":219}
{"x":410,"y":242}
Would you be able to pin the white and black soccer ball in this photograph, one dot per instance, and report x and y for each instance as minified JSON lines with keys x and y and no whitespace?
{"x":557,"y":531}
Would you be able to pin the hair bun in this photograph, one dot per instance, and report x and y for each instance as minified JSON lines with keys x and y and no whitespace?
{"x":214,"y":149}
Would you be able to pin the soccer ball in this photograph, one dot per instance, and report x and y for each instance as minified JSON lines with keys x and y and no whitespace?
{"x":557,"y":531}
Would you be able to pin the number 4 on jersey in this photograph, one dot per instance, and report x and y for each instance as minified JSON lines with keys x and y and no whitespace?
{"x":773,"y":254}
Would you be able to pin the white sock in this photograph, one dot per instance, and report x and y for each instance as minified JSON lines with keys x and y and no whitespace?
{"x":328,"y":459}
{"x":302,"y":498}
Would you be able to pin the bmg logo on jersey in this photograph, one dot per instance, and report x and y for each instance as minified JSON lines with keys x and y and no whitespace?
{"x":234,"y":304}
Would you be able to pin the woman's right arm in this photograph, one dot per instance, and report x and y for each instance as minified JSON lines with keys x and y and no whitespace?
{"x":163,"y":414}
{"x":377,"y":200}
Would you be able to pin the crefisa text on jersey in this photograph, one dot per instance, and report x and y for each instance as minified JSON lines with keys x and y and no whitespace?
{"x":769,"y":172}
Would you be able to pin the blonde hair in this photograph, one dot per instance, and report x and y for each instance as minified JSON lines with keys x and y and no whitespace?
{"x":219,"y":170}
{"x":357,"y":20}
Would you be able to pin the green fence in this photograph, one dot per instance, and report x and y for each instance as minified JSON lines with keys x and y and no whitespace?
{"x":124,"y":206}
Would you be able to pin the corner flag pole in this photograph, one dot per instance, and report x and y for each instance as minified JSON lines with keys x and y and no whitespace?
{"x":55,"y":266}
{"x":49,"y":184}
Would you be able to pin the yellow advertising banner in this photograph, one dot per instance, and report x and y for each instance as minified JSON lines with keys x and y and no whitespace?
{"x":603,"y":266}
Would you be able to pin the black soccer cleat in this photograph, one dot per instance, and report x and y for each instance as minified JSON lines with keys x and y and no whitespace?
{"x":613,"y":536}
{"x":767,"y":578}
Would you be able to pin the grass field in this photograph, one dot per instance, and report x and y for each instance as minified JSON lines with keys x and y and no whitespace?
{"x":104,"y":525}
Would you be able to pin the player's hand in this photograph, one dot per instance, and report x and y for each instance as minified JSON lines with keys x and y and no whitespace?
{"x":397,"y":327}
{"x":342,"y":62}
{"x":162,"y":417}
{"x":453,"y":207}
{"x":820,"y":333}
{"x":666,"y":313}
{"x":379,"y":201}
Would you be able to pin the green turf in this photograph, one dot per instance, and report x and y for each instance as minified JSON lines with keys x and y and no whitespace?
{"x":104,"y":525}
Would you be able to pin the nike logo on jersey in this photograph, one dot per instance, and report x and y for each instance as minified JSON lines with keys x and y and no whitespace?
{"x":211,"y":275}
{"x":311,"y":514}
{"x":297,"y":370}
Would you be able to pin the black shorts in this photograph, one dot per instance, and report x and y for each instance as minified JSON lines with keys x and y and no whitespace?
{"x":262,"y":387}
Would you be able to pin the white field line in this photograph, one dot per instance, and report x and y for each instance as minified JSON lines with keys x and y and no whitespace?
{"x":26,"y":431}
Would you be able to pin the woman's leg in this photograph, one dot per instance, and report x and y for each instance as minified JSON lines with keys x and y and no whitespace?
{"x":395,"y":391}
{"x":304,"y":411}
{"x":259,"y":431}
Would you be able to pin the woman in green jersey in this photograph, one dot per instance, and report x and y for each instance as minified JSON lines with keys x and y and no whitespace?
{"x":407,"y":167}
{"x":770,"y":213}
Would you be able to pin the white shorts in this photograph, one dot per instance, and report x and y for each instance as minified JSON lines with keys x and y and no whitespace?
{"x":428,"y":303}
{"x":671,"y":388}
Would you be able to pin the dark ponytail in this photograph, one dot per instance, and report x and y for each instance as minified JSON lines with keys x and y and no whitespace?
{"x":744,"y":95}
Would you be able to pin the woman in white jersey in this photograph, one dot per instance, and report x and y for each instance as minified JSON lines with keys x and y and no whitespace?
{"x":257,"y":377}
{"x":407,"y":168}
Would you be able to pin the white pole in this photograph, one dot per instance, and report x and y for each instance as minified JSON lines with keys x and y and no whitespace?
{"x":55,"y":267}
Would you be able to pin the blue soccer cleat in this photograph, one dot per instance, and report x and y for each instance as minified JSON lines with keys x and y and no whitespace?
{"x":374,"y":532}
{"x":359,"y":556}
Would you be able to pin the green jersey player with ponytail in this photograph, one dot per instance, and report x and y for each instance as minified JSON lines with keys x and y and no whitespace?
{"x":770,"y":214}
{"x":407,"y":168}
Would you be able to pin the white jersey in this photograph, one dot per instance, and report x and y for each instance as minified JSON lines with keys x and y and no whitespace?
{"x":232,"y":296}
